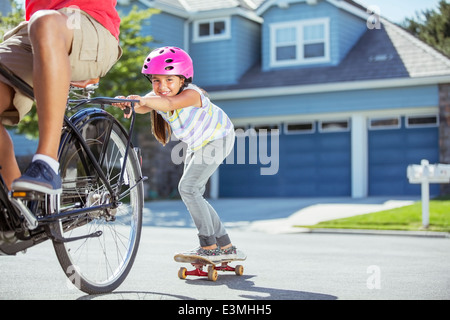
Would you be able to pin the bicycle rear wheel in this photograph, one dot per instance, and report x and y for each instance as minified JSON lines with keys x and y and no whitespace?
{"x":99,"y":264}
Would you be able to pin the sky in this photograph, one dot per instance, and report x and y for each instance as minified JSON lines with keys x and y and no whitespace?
{"x":394,"y":10}
{"x":397,"y":10}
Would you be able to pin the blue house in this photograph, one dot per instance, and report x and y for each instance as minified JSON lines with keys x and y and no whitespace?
{"x":328,"y":98}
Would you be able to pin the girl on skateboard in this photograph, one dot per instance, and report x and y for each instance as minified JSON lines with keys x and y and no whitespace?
{"x":177,"y":106}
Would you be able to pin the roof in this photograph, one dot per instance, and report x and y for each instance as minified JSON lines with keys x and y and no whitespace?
{"x":387,"y":53}
{"x":380,"y":54}
{"x":193,"y":6}
{"x":258,"y":6}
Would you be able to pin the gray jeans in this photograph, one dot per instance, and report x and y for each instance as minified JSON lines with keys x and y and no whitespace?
{"x":198,"y":168}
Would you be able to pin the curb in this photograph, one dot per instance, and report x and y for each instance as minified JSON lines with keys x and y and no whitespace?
{"x":430,"y":234}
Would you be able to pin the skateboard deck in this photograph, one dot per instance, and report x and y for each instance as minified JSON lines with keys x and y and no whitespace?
{"x":199,"y":262}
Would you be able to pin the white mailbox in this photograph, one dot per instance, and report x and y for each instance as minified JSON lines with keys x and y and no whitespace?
{"x":424,"y":173}
{"x":431,"y":173}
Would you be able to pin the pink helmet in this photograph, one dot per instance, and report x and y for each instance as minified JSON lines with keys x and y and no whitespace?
{"x":169,"y":61}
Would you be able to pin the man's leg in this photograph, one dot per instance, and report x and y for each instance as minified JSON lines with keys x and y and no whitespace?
{"x":9,"y":168}
{"x":52,"y":40}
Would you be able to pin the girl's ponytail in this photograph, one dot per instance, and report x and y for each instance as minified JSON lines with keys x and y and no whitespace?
{"x":160,"y":128}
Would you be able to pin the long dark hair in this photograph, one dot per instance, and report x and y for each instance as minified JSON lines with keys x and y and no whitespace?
{"x":160,"y":128}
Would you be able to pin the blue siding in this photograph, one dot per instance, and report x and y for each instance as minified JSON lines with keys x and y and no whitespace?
{"x":345,"y":29}
{"x":247,"y":45}
{"x":223,"y":62}
{"x":390,"y":153}
{"x":342,"y":101}
{"x":348,"y":31}
{"x":23,"y":146}
{"x":5,"y":7}
{"x":166,"y":30}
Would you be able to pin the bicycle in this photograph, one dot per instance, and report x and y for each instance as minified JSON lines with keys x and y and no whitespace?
{"x":95,"y":224}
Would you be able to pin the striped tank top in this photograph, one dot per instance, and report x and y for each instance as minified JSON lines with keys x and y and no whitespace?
{"x":198,"y":126}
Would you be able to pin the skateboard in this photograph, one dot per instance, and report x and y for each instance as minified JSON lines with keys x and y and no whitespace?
{"x":199,"y":262}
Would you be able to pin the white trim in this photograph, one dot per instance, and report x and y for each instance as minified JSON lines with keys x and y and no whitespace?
{"x":337,"y":3}
{"x":264,"y":120}
{"x":165,"y":8}
{"x":188,"y":13}
{"x":327,"y":87}
{"x":211,"y":37}
{"x":360,"y":157}
{"x":214,"y":187}
{"x":299,"y":42}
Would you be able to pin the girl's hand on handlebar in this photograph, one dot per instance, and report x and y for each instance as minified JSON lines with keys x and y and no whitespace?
{"x":125,"y":106}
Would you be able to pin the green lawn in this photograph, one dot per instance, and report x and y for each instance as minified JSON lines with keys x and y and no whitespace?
{"x":404,"y":218}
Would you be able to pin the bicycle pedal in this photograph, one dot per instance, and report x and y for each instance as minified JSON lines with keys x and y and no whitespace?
{"x":27,"y":195}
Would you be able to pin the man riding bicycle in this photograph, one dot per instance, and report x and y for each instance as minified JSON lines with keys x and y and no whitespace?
{"x":60,"y":41}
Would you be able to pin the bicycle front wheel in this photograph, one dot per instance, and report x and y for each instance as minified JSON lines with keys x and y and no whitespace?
{"x":99,"y":264}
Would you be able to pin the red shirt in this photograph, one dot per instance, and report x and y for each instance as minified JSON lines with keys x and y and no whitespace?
{"x":104,"y":11}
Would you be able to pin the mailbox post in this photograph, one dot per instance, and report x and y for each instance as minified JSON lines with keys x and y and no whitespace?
{"x":426,"y":174}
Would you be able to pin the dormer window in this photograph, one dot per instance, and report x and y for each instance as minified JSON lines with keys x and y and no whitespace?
{"x":300,"y":42}
{"x":212,"y":29}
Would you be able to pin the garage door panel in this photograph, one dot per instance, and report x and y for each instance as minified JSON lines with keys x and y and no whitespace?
{"x":390,"y":153}
{"x":310,"y":165}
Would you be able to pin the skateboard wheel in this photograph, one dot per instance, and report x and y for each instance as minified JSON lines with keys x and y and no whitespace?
{"x":212,"y":274}
{"x":182,"y":273}
{"x":239,"y":270}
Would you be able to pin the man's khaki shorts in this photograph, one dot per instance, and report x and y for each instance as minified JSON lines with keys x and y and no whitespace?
{"x":94,"y":52}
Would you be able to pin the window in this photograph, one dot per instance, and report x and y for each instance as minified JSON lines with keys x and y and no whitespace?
{"x":210,"y":30}
{"x":384,"y":123}
{"x":299,"y":42}
{"x":423,"y":121}
{"x":299,"y":127}
{"x":334,"y":126}
{"x":266,"y":129}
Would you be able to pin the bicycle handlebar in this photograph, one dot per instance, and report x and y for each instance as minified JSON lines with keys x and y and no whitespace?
{"x":102,"y":101}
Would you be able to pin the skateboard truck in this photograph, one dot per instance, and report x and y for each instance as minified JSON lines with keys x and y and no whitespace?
{"x":211,"y":274}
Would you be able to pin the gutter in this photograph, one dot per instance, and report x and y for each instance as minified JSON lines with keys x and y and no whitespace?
{"x":326,"y":87}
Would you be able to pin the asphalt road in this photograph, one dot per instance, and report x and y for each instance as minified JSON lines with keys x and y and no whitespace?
{"x":301,"y":266}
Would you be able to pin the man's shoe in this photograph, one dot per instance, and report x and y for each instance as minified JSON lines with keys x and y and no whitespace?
{"x":39,"y":177}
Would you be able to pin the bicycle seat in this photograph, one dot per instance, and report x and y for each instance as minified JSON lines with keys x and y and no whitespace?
{"x":84,"y":83}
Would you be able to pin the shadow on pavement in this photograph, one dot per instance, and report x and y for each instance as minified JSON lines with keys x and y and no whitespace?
{"x":250,"y":291}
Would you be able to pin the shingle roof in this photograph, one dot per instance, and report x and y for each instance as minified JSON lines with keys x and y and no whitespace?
{"x":386,"y":53}
{"x":207,"y":5}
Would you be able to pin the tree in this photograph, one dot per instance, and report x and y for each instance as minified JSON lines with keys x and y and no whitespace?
{"x":125,"y":77}
{"x":432,"y":27}
{"x":11,"y":20}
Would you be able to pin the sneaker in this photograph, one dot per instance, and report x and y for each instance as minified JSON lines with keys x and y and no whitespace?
{"x":39,"y":177}
{"x":232,"y":253}
{"x":213,"y":254}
